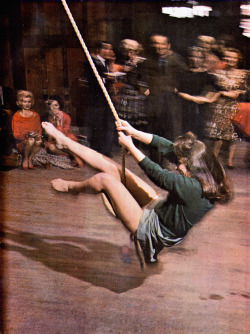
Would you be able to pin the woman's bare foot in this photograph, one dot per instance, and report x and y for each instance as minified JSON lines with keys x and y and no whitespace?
{"x":56,"y":134}
{"x":25,"y":164}
{"x":64,"y":185}
{"x":31,"y":166}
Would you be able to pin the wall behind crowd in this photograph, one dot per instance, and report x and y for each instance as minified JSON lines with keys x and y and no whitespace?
{"x":41,"y":53}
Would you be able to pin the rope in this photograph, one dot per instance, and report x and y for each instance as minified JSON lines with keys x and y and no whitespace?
{"x":139,"y":252}
{"x":99,"y":79}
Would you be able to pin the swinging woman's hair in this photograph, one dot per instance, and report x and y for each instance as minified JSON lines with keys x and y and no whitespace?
{"x":202,"y":165}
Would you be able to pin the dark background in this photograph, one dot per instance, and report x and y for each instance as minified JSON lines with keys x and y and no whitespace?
{"x":40,"y":50}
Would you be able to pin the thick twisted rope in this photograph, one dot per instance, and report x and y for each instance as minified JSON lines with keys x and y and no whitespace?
{"x":99,"y":79}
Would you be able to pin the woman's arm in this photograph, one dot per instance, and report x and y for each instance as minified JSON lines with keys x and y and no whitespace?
{"x":66,"y":124}
{"x":163,"y":145}
{"x":143,"y":137}
{"x":16,"y":129}
{"x":208,"y":98}
{"x":127,"y":142}
{"x":233,"y":94}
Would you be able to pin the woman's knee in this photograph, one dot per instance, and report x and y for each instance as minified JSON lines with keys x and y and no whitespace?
{"x":102,"y":181}
{"x":51,"y":148}
{"x":114,"y":170}
{"x":31,"y":142}
{"x":38,"y":142}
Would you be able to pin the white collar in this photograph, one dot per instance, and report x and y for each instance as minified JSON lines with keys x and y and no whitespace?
{"x":101,"y":59}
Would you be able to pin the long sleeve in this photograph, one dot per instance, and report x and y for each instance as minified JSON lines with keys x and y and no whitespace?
{"x":185,"y":204}
{"x":22,"y":125}
{"x":66,"y":127}
{"x":177,"y":184}
{"x":163,"y":145}
{"x":16,"y":129}
{"x":66,"y":123}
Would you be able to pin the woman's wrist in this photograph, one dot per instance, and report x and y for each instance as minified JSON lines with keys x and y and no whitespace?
{"x":134,"y":132}
{"x":136,"y":153}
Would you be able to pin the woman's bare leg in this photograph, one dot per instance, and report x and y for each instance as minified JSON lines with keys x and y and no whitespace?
{"x":78,"y":161}
{"x":54,"y":150}
{"x":125,"y":206}
{"x":28,"y":147}
{"x":232,"y":149}
{"x":142,"y":192}
{"x":36,"y":148}
{"x":217,"y":147}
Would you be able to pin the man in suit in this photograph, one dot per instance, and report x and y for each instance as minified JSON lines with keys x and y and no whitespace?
{"x":161,"y":72}
{"x":99,"y":120}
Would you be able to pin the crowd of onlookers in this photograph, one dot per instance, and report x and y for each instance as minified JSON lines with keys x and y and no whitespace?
{"x":153,"y":88}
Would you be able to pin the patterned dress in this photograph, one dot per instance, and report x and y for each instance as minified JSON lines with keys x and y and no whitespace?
{"x":219,"y":125}
{"x":132,"y":104}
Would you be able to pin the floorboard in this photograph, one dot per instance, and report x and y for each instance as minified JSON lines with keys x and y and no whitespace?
{"x":68,"y":265}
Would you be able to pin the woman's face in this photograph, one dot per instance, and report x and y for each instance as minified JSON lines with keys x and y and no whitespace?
{"x":231,"y":59}
{"x":212,"y":62}
{"x":54,"y":107}
{"x":196,"y":59}
{"x":129,"y":54}
{"x":25,"y":103}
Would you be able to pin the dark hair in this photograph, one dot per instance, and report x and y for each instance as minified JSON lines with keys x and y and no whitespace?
{"x":99,"y":44}
{"x":56,"y":98}
{"x":234,"y":50}
{"x":202,"y":165}
{"x":160,"y":35}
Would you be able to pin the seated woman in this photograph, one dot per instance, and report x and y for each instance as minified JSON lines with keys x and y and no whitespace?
{"x":62,"y":122}
{"x":26,"y":127}
{"x":155,"y":224}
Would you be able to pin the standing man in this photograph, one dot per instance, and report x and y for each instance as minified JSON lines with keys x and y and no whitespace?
{"x":162,"y":71}
{"x":99,"y":121}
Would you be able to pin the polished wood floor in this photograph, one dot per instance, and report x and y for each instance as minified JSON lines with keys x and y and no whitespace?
{"x":68,"y":266}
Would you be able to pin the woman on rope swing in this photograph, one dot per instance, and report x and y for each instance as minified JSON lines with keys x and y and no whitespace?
{"x":156,"y":223}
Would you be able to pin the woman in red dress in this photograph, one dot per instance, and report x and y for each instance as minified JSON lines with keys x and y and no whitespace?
{"x":62,"y":121}
{"x":26,"y":127}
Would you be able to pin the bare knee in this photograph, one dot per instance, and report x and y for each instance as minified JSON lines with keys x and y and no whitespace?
{"x":102,"y":181}
{"x":113,"y":170}
{"x":38,"y":142}
{"x":52,"y":148}
{"x":31,"y":142}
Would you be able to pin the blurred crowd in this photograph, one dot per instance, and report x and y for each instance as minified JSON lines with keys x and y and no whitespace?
{"x":152,"y":87}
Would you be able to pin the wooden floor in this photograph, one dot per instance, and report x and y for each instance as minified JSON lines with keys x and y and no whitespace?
{"x":68,"y":266}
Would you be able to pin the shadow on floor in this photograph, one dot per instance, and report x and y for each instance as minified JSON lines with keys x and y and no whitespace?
{"x":94,"y":261}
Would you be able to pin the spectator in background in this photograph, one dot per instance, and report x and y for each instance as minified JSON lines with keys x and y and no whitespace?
{"x":131,"y":106}
{"x":206,"y":43}
{"x":232,"y":83}
{"x":197,"y":88}
{"x":27,"y":131}
{"x":62,"y":121}
{"x":162,"y":71}
{"x":214,"y":61}
{"x":99,"y":121}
